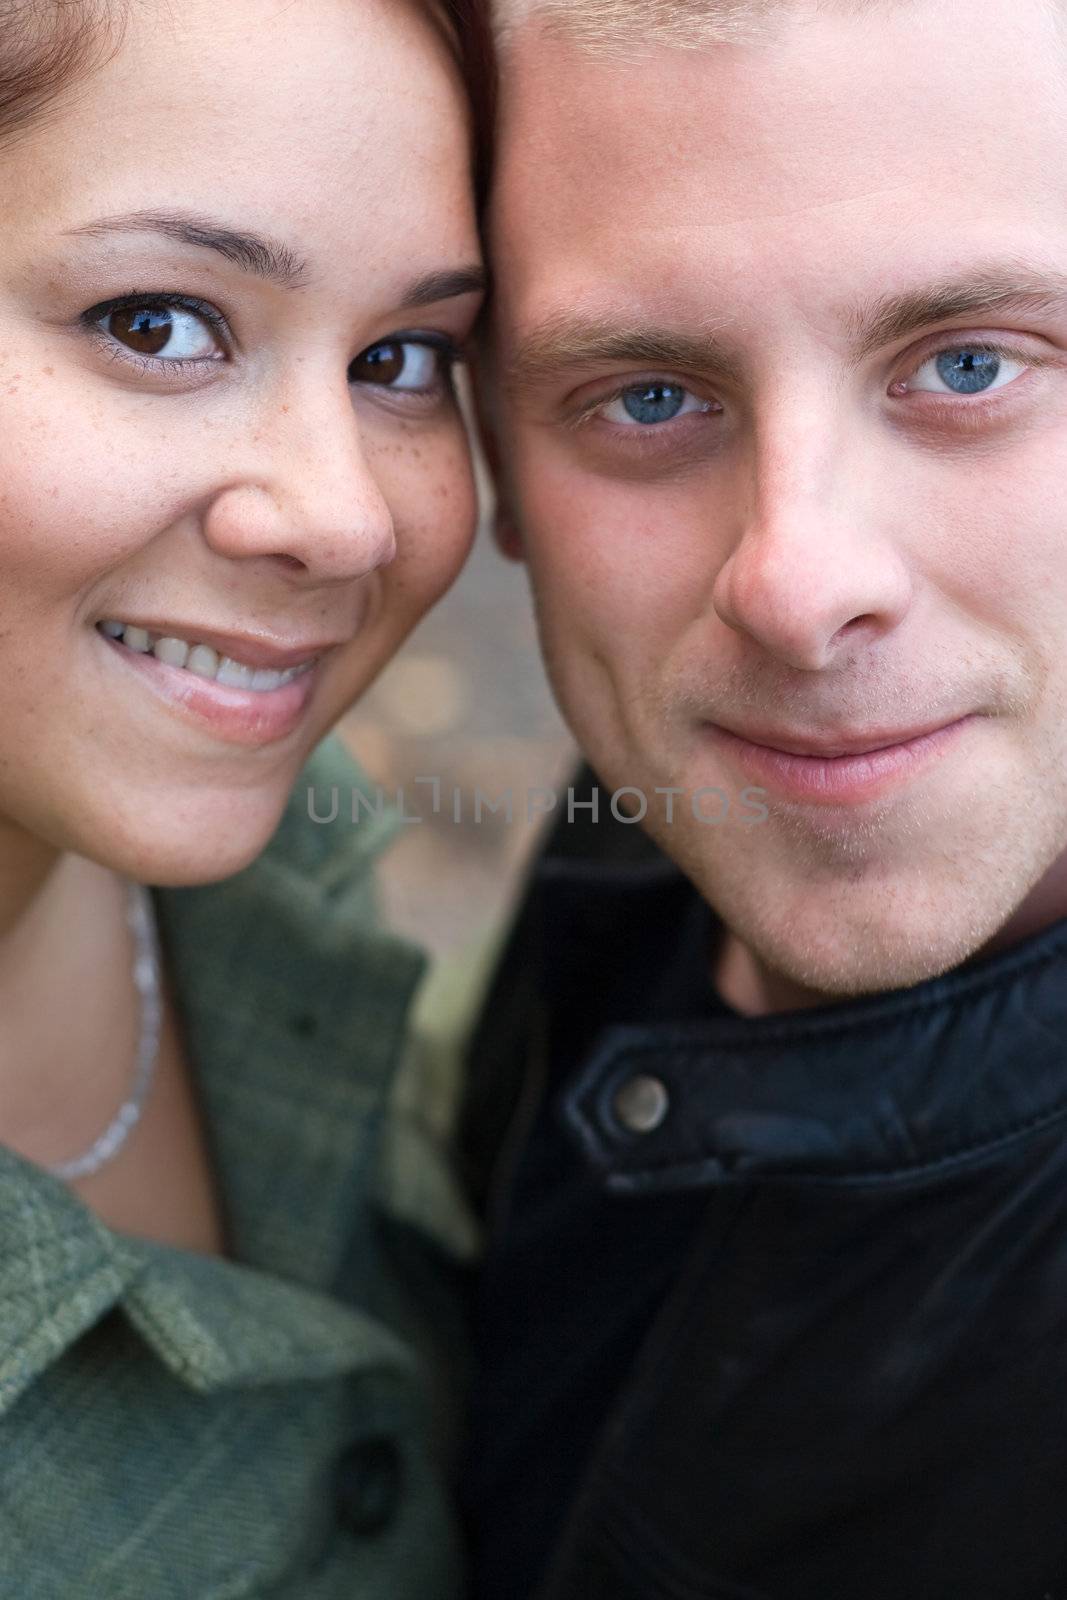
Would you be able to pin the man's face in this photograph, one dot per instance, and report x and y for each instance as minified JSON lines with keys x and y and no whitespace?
{"x":781,"y":382}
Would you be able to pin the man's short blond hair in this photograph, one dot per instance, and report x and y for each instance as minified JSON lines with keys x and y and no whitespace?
{"x":610,"y":25}
{"x":686,"y":23}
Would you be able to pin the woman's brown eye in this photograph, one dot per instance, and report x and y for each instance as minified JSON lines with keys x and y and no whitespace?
{"x":163,"y":333}
{"x":404,"y":364}
{"x":146,"y":330}
{"x":382,"y":364}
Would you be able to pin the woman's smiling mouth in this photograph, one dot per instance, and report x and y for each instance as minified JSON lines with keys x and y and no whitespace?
{"x":205,"y":661}
{"x":244,"y":701}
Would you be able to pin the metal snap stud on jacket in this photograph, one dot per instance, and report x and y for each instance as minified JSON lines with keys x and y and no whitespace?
{"x":641,"y":1103}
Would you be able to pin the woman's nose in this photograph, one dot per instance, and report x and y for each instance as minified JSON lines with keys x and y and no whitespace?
{"x":306,"y":494}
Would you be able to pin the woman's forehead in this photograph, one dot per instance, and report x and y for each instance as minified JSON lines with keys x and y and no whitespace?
{"x":336,"y":137}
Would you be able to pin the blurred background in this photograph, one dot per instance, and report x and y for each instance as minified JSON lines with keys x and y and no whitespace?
{"x":465,"y":701}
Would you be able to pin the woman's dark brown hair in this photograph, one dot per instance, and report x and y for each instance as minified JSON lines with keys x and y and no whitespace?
{"x":472,"y":34}
{"x":46,"y":45}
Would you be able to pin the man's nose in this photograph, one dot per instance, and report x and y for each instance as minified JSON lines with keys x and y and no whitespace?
{"x":815,"y":568}
{"x":302,"y":491}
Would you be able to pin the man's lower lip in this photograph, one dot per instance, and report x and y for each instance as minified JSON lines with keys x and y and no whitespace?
{"x":837,"y":780}
{"x":239,"y":716}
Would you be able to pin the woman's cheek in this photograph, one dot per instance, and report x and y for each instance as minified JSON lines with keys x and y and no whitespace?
{"x":434,"y":505}
{"x":435,"y":513}
{"x":65,"y":506}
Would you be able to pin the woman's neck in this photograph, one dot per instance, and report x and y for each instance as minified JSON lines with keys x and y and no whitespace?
{"x":67,"y":1011}
{"x":26,"y":866}
{"x":69,"y":1029}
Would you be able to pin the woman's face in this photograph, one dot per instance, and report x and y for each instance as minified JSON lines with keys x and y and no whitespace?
{"x":232,"y":265}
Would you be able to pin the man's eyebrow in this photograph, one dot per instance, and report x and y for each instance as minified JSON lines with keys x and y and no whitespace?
{"x":565,"y":342}
{"x":980,"y":293}
{"x":252,"y":252}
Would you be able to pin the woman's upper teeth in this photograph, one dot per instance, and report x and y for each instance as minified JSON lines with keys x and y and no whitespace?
{"x":200,"y":658}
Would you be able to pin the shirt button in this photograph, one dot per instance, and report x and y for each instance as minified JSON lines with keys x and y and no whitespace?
{"x":368,"y":1485}
{"x":642,"y":1103}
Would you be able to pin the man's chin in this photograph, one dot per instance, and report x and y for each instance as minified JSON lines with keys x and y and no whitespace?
{"x":781,"y":954}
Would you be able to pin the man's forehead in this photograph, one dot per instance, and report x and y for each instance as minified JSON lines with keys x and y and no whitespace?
{"x":685,"y":187}
{"x":843,"y":105}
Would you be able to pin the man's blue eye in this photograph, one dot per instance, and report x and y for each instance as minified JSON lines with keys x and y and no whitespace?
{"x":968,"y":371}
{"x":654,"y":402}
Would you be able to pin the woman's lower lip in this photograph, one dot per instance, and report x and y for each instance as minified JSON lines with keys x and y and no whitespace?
{"x":837,"y":780}
{"x":239,"y":716}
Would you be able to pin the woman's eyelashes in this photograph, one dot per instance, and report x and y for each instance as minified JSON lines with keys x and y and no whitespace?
{"x":158,"y":331}
{"x":171,"y":333}
{"x":408,"y":364}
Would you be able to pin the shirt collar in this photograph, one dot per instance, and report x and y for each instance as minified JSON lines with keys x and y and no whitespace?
{"x":293,"y":1003}
{"x":213,"y":1323}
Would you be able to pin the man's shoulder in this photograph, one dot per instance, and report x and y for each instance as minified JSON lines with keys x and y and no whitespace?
{"x":595,"y":892}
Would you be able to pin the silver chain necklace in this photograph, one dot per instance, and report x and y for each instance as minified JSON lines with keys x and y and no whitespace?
{"x":142,"y":922}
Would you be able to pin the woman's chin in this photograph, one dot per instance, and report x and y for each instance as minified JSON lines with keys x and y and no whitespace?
{"x":197,"y":846}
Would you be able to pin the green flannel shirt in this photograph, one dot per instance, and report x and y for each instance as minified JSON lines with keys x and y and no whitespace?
{"x":181,"y":1427}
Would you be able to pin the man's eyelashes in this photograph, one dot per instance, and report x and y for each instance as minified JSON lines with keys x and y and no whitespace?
{"x":961,"y":372}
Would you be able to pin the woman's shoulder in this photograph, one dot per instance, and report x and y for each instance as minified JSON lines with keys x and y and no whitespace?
{"x":336,"y":822}
{"x":291,"y":952}
{"x":319,"y":863}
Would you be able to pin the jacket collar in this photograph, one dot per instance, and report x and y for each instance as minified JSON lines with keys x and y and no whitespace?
{"x":886,"y":1088}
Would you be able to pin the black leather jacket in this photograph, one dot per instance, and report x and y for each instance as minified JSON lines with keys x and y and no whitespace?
{"x":856,"y":1386}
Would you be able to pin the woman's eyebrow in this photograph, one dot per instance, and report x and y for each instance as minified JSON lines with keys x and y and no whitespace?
{"x":252,"y":252}
{"x":447,"y":284}
{"x":268,"y":258}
